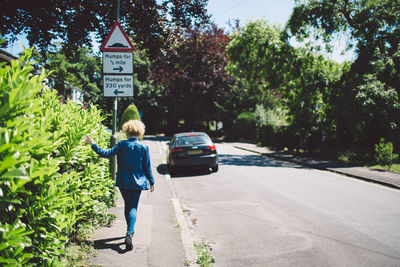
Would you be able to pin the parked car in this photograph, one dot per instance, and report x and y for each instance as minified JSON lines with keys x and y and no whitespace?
{"x":192,"y":149}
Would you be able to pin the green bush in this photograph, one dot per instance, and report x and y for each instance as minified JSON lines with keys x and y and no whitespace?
{"x":51,"y":184}
{"x":130,"y":113}
{"x":384,"y":154}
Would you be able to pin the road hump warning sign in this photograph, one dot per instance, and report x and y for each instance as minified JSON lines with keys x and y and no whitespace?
{"x":117,"y":40}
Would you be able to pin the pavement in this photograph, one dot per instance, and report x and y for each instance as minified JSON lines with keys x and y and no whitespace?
{"x":386,"y":178}
{"x":161,"y":235}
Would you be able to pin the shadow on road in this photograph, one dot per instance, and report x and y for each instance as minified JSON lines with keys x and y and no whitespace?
{"x":105,"y":244}
{"x":156,"y":138}
{"x":182,"y":172}
{"x":188,"y":172}
{"x":254,"y":160}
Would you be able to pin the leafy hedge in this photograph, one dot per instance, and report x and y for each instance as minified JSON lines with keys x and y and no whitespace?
{"x":52,"y":186}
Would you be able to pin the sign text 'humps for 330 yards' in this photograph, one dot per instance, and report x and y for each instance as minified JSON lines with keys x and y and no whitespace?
{"x":118,"y":85}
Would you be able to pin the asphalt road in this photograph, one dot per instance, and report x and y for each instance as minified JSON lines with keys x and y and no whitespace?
{"x":257,"y":211}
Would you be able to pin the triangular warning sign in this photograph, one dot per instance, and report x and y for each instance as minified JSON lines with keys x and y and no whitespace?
{"x":117,"y":40}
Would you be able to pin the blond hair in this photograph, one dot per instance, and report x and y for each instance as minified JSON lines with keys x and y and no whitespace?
{"x":133,"y":128}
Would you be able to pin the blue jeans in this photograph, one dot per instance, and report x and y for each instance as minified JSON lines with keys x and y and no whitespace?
{"x":131,"y":199}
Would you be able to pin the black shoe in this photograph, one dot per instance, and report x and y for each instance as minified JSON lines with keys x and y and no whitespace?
{"x":128,"y":242}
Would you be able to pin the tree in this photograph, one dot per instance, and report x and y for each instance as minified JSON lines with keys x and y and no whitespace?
{"x":362,"y":114}
{"x":73,"y":22}
{"x":193,"y":73}
{"x":283,"y":79}
{"x":307,"y":95}
{"x":82,"y":69}
{"x":255,"y":53}
{"x":257,"y":58}
{"x":371,"y":24}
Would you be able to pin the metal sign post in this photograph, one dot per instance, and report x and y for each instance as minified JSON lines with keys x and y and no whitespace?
{"x":118,"y":74}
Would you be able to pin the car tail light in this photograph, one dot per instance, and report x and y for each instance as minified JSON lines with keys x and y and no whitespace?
{"x":212,"y":148}
{"x":176,"y":149}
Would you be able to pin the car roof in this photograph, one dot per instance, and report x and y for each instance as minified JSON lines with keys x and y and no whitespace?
{"x":189,"y":134}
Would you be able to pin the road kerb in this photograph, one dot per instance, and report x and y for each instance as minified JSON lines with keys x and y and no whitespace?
{"x":187,"y":240}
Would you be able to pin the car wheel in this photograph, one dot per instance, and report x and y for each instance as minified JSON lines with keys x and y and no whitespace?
{"x":215,"y":168}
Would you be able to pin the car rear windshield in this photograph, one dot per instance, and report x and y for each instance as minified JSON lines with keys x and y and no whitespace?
{"x":193,"y":140}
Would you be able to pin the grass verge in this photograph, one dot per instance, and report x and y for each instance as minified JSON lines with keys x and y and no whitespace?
{"x":76,"y":254}
{"x":395,"y":167}
{"x":348,"y":157}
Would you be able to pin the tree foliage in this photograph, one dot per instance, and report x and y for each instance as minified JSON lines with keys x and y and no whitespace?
{"x":298,"y":80}
{"x":371,"y":24}
{"x":81,"y":69}
{"x":193,"y":75}
{"x":257,"y":60}
{"x":257,"y":56}
{"x":365,"y":100}
{"x":75,"y":23}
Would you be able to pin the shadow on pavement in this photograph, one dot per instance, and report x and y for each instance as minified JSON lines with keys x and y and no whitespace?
{"x":314,"y":163}
{"x":162,"y":169}
{"x":104,"y":244}
{"x":254,"y":160}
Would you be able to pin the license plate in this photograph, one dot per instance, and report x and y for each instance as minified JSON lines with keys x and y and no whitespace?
{"x":193,"y":152}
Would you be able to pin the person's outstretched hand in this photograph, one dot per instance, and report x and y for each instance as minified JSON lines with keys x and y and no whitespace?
{"x":151,"y":188}
{"x":89,"y":139}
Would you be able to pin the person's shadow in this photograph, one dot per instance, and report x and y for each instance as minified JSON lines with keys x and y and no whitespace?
{"x":104,"y":244}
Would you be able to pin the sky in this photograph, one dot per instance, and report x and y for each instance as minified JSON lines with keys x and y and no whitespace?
{"x":222,"y":11}
{"x":274,"y":11}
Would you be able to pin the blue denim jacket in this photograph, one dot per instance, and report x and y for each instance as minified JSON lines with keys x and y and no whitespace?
{"x":134,"y":169}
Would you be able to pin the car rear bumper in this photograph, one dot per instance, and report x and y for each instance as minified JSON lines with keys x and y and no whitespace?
{"x":206,"y":161}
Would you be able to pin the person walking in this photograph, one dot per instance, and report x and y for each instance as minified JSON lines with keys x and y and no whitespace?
{"x":134,"y":171}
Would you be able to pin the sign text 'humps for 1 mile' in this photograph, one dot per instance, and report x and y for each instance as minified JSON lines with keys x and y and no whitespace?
{"x":117,"y":63}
